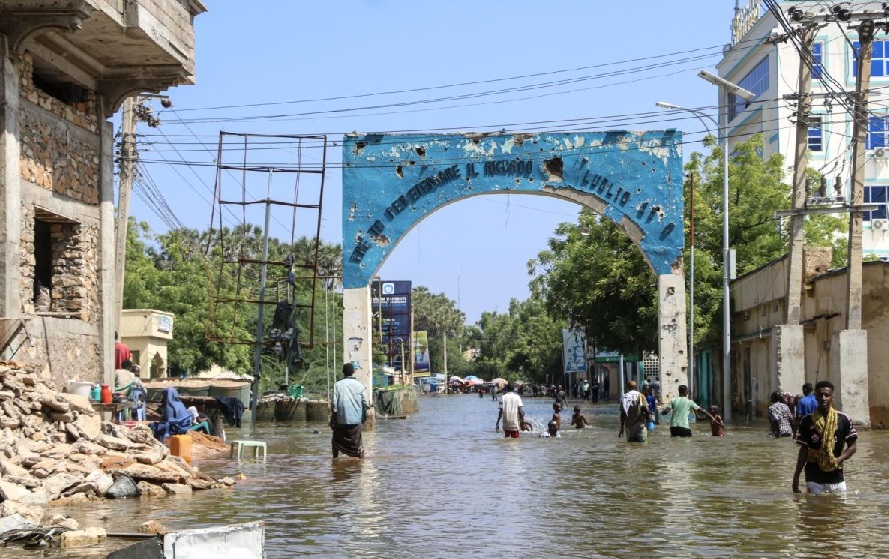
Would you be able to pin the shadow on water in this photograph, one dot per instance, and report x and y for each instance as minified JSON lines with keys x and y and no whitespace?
{"x":442,"y":483}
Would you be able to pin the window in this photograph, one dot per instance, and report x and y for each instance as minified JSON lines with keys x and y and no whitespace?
{"x":756,"y":82}
{"x":56,"y":272}
{"x":877,"y":130}
{"x":816,"y":134}
{"x":875,"y":195}
{"x":879,"y":64}
{"x":43,"y":265}
{"x":817,"y":61}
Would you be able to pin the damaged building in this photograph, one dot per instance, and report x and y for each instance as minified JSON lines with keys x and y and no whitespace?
{"x":66,"y":68}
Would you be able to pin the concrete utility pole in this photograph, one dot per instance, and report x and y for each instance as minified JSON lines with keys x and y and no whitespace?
{"x":798,"y":201}
{"x":127,"y":166}
{"x":789,"y":347}
{"x":859,"y":139}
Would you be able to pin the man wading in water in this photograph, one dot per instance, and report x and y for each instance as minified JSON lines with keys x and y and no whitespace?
{"x":511,"y":412}
{"x":822,"y":436}
{"x":348,"y":414}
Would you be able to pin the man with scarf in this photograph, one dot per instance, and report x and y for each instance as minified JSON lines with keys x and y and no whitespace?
{"x":348,"y":414}
{"x":827,"y":439}
{"x":634,"y":414}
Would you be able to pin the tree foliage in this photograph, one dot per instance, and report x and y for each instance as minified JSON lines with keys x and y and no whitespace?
{"x":594,"y":277}
{"x":181,"y":272}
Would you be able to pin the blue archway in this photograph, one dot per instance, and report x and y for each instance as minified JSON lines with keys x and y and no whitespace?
{"x":391,"y":182}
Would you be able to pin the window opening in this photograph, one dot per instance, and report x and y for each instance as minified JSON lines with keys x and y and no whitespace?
{"x":64,"y":91}
{"x":877,"y":129}
{"x":57,"y":269}
{"x":879,"y":64}
{"x":816,"y":134}
{"x":756,"y":81}
{"x":42,"y":265}
{"x":817,"y":60}
{"x":876,"y":195}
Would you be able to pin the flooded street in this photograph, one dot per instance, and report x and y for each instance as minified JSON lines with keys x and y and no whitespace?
{"x":442,"y":483}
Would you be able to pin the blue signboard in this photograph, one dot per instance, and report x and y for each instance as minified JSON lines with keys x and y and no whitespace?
{"x":391,"y":310}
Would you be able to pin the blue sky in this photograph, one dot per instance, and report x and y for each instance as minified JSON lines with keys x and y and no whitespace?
{"x":460,"y":66}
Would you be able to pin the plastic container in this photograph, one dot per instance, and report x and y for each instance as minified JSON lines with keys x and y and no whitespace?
{"x":96,"y":393}
{"x":106,"y":394}
{"x":180,"y":445}
{"x":80,"y":388}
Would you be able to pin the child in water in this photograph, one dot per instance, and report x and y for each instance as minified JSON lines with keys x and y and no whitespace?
{"x":578,"y":420}
{"x":717,"y":426}
{"x":552,"y":430}
{"x":558,"y":419}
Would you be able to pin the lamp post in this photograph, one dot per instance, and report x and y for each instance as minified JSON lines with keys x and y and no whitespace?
{"x":748,"y":96}
{"x":726,"y":251}
{"x":691,"y":283}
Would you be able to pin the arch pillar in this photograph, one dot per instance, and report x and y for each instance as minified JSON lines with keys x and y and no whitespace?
{"x":358,"y":339}
{"x":672,"y":341}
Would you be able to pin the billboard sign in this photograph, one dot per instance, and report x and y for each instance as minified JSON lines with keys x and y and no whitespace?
{"x":391,"y":308}
{"x":574,"y":350}
{"x":421,"y":353}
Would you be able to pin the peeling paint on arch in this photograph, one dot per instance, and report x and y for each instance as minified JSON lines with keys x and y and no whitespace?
{"x":391,"y":182}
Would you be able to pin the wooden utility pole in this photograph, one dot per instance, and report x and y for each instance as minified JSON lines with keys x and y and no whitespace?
{"x":859,"y":139}
{"x":127,"y":166}
{"x":801,"y":163}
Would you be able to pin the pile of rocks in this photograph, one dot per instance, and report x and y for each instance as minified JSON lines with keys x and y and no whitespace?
{"x":55,"y":446}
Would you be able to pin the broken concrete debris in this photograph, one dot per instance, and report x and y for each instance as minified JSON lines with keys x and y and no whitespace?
{"x":54,"y":447}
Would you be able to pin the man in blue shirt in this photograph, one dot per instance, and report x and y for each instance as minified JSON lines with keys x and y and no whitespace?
{"x":808,"y":403}
{"x":348,"y":414}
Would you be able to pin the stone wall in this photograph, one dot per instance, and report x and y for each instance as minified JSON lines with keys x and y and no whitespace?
{"x":59,"y":141}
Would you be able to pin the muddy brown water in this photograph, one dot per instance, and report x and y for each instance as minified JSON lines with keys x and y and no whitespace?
{"x":442,"y":483}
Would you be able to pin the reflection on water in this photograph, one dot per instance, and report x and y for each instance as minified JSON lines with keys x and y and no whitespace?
{"x":442,"y":483}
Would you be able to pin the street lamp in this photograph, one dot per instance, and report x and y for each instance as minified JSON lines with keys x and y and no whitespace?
{"x":726,"y":296}
{"x":726,"y":251}
{"x":691,"y":283}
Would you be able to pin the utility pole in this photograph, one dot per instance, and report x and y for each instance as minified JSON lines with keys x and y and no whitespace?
{"x":859,"y":139}
{"x":790,"y":354}
{"x":127,"y":165}
{"x":849,"y":367}
{"x":798,"y":201}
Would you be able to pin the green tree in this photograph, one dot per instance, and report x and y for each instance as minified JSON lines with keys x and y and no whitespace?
{"x":593,"y":275}
{"x":522,"y":344}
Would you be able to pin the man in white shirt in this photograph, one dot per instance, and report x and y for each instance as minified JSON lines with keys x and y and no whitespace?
{"x":511,"y":412}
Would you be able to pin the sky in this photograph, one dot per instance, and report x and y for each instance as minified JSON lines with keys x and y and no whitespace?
{"x":330,"y":68}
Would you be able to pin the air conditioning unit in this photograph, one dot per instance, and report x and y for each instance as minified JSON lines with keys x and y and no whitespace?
{"x":880,"y":153}
{"x":878,"y":224}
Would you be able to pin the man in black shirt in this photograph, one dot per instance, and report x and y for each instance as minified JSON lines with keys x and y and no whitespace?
{"x":827,"y":439}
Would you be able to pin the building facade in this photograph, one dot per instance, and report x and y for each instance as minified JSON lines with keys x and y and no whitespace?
{"x":759,"y":298}
{"x":759,"y":61}
{"x":65,"y":68}
{"x":146,"y":333}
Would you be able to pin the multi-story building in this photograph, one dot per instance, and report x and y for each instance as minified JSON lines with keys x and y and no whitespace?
{"x":65,"y":68}
{"x":759,"y":60}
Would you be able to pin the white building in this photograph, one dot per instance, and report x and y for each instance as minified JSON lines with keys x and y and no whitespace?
{"x":770,"y":69}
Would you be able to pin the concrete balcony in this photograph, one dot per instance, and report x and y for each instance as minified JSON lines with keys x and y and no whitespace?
{"x":113,"y":47}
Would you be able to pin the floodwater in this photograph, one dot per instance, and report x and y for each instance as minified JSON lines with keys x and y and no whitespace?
{"x":442,"y":483}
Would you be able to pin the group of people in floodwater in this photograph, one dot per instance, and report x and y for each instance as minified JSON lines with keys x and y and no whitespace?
{"x":826,"y":436}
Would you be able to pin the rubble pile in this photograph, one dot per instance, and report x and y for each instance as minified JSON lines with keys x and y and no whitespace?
{"x":55,"y":446}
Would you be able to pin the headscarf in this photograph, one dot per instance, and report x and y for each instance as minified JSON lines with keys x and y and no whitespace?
{"x":194,"y":413}
{"x":826,"y":427}
{"x":173,"y":407}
